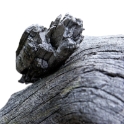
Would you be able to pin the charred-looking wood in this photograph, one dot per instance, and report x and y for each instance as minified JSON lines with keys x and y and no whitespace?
{"x":42,"y":50}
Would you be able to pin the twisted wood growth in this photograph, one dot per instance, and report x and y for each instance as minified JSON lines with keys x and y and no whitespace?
{"x":41,"y":51}
{"x":88,"y":89}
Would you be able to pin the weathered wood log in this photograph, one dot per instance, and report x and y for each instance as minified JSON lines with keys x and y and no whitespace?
{"x":87,"y":89}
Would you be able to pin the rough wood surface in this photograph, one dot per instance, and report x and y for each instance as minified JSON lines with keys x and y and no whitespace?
{"x":88,"y":89}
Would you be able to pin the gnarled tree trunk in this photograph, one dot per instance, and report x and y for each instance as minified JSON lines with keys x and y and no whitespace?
{"x":88,"y":88}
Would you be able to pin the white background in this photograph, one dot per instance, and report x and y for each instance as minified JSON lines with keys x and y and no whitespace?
{"x":100,"y":17}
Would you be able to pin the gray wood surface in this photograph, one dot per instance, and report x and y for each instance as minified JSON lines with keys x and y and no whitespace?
{"x":87,"y":89}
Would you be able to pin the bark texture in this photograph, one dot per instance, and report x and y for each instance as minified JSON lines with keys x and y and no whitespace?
{"x":87,"y":89}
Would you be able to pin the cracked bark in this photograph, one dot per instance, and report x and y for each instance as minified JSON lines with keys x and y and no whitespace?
{"x":87,"y":89}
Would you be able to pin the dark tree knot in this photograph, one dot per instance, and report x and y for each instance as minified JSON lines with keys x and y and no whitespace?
{"x":41,"y":50}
